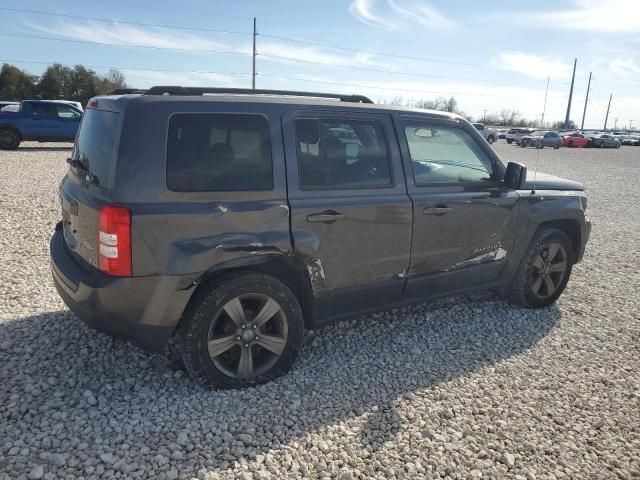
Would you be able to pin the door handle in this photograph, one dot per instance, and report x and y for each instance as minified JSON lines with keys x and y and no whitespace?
{"x":441,"y":210}
{"x":438,"y":210}
{"x":328,"y":216}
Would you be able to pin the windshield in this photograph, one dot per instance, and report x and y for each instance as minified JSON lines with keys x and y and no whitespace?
{"x":95,"y":146}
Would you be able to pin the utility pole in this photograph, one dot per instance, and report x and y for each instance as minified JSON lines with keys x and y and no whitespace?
{"x":586,"y":99}
{"x":630,"y":123}
{"x":607,"y":116}
{"x":484,"y":116}
{"x":573,"y":77}
{"x":544,"y":108}
{"x":615,"y":124}
{"x":253,"y":77}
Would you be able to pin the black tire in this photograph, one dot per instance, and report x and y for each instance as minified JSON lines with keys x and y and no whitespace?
{"x":490,"y":139}
{"x":570,"y":143}
{"x":509,"y":141}
{"x":528,"y":274}
{"x":206,"y":313}
{"x":523,"y":144}
{"x":601,"y":144}
{"x":9,"y":139}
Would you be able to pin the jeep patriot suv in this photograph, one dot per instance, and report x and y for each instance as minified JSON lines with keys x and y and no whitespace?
{"x":238,"y":218}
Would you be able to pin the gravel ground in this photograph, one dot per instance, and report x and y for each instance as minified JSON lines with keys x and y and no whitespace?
{"x":466,"y":387}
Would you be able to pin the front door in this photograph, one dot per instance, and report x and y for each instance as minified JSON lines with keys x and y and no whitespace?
{"x":464,"y":219}
{"x":350,"y":213}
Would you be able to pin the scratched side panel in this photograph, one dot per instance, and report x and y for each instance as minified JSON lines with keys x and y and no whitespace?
{"x":191,"y":238}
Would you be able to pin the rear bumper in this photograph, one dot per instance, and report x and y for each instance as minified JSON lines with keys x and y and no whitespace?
{"x":144,"y":310}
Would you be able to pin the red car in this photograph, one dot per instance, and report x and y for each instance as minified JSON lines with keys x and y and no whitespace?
{"x":575,"y":140}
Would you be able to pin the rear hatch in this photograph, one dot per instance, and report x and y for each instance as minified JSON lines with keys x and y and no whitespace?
{"x":89,"y":182}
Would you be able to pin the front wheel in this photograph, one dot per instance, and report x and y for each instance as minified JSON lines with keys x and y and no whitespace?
{"x":9,"y":139}
{"x":490,"y":140}
{"x":509,"y":141}
{"x":544,"y":270}
{"x":243,"y":330}
{"x":601,"y":144}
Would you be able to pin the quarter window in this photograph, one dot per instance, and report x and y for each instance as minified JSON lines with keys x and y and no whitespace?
{"x":219,"y":152}
{"x":341,"y":154}
{"x":441,"y":155}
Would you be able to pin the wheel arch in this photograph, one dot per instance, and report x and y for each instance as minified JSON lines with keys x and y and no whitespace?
{"x":285,"y":268}
{"x":570,"y":227}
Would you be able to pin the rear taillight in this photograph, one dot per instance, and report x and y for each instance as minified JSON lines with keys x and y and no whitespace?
{"x":114,"y":241}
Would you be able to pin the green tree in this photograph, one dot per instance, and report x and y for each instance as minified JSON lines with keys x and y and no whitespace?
{"x":16,"y":84}
{"x":55,"y":83}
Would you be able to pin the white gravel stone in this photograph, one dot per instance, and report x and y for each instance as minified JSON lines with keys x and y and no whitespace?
{"x":465,"y":387}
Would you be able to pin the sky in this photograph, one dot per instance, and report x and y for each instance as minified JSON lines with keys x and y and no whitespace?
{"x":489,"y":55}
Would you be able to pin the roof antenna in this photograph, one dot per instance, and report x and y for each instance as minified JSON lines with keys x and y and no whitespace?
{"x":535,"y":173}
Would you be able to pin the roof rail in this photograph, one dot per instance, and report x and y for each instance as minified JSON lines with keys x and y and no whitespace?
{"x":177,"y":90}
{"x":126,"y":91}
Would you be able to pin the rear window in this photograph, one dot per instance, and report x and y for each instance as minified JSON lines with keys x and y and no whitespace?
{"x":219,"y":152}
{"x":95,"y":145}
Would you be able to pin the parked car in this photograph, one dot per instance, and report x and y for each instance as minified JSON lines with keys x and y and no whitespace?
{"x":488,"y":133}
{"x":604,"y":141}
{"x":514,"y":134}
{"x":541,"y":139}
{"x":177,"y":215}
{"x":39,"y":120}
{"x":576,"y":139}
{"x":631,"y":140}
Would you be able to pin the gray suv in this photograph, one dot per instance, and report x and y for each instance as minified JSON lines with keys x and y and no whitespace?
{"x":238,"y":218}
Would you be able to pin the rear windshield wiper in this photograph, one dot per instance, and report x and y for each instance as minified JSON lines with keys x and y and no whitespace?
{"x":89,"y":177}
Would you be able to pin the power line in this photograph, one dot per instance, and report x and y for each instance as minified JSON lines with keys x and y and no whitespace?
{"x":140,"y":24}
{"x":129,"y":45}
{"x":371,"y":69}
{"x":395,"y":89}
{"x":107,"y":67}
{"x":278,"y":37}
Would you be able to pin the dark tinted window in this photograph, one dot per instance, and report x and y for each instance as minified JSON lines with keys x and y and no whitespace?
{"x":341,"y":154}
{"x":219,"y":152}
{"x":446,"y":155}
{"x":96,"y":145}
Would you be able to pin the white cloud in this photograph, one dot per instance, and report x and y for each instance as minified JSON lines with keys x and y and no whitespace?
{"x":614,"y":16}
{"x":532,"y":65}
{"x":422,"y":13}
{"x":131,"y":35}
{"x":399,"y":13}
{"x":363,"y":11}
{"x":625,"y":66}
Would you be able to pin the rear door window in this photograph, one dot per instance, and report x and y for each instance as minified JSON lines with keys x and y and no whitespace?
{"x":95,"y":146}
{"x":219,"y":152}
{"x":341,"y":154}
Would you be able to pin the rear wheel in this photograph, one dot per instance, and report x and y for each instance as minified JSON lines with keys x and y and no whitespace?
{"x":509,"y":141}
{"x":601,"y":144}
{"x":9,"y":139}
{"x":544,"y":270}
{"x":244,"y":330}
{"x":490,"y":139}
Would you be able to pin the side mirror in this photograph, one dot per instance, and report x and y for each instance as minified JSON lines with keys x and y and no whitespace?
{"x":515,"y":176}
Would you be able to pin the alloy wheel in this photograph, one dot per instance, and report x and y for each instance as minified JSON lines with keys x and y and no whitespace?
{"x":247,"y":336}
{"x":549,"y":270}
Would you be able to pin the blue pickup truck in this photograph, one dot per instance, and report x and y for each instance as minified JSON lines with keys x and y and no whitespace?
{"x":39,"y":120}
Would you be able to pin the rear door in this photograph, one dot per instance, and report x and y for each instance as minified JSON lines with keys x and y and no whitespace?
{"x":351,"y":217}
{"x":87,"y":187}
{"x":464,"y":220}
{"x":43,"y":122}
